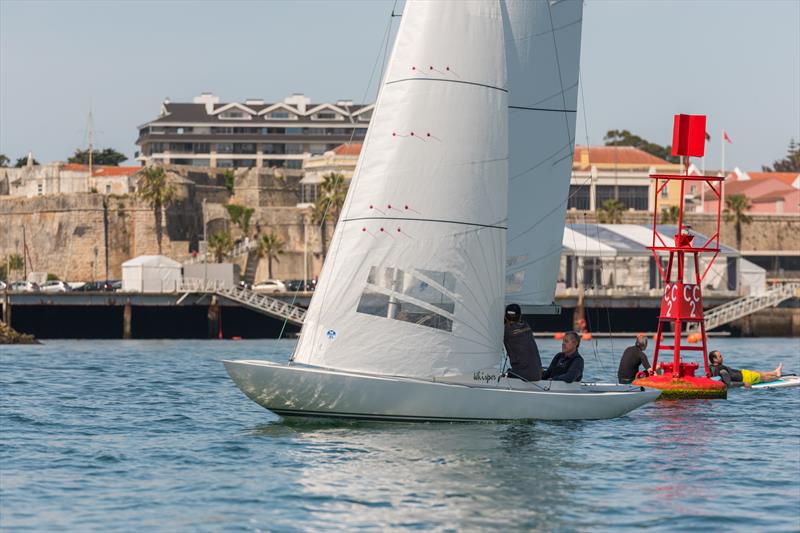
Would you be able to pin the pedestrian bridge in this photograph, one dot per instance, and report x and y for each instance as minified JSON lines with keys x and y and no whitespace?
{"x":257,"y":302}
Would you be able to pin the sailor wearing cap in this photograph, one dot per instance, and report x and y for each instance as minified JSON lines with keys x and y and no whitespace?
{"x":521,"y":346}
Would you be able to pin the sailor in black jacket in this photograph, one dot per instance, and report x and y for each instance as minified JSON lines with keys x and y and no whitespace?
{"x":520,"y":346}
{"x":568,"y":364}
{"x":632,"y":357}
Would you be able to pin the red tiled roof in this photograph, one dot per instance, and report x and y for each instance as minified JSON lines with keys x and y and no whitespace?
{"x":101,"y":170}
{"x":348,"y":149}
{"x":621,"y":155}
{"x":115,"y":171}
{"x":786,"y":177}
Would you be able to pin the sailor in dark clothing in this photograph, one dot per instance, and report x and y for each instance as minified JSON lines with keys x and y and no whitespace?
{"x":734,"y":377}
{"x":632,"y":357}
{"x":568,"y":364}
{"x":521,"y":346}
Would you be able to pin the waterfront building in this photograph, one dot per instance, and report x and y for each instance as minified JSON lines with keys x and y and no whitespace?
{"x":341,"y":160}
{"x":66,"y":178}
{"x":601,"y":173}
{"x":209,"y":133}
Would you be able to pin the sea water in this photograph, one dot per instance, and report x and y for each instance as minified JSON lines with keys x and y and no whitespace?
{"x":153,"y":435}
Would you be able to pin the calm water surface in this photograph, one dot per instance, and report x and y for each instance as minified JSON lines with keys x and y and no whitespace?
{"x":133,"y":435}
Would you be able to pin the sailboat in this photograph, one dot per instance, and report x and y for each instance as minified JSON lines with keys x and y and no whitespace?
{"x":406,"y":320}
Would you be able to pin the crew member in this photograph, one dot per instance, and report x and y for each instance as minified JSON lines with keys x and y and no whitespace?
{"x":520,"y":346}
{"x":567,"y":365}
{"x":632,"y":357}
{"x":733,"y":377}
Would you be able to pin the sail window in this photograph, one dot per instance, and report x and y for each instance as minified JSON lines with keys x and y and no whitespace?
{"x":422,"y":297}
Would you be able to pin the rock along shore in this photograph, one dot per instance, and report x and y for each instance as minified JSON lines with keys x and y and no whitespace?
{"x":9,"y":336}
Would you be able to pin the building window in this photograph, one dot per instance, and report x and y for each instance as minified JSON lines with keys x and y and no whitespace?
{"x":578,"y":197}
{"x":244,"y":163}
{"x":244,"y":148}
{"x":294,"y":163}
{"x":326,"y":115}
{"x":365,"y":117}
{"x":279,"y":115}
{"x":224,"y":163}
{"x":224,"y":148}
{"x":235,"y":115}
{"x":317,"y":149}
{"x":108,"y":188}
{"x":276,"y":131}
{"x":631,"y":196}
{"x":665,"y":192}
{"x":294,"y":148}
{"x":273,"y":148}
{"x":294,"y":131}
{"x":310,"y":192}
{"x":274,"y":163}
{"x":202,"y":148}
{"x":40,"y":189}
{"x":200,"y":163}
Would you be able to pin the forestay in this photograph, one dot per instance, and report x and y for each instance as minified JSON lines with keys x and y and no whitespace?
{"x":414,"y":282}
{"x":543,"y":54}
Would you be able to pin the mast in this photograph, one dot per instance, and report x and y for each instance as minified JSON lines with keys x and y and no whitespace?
{"x":90,"y":135}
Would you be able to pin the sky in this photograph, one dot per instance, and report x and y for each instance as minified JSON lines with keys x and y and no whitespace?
{"x":641,"y":62}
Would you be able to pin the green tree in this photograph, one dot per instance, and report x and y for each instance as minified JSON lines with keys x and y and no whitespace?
{"x":736,"y":208}
{"x":155,"y":189}
{"x":670,"y":215}
{"x":227,"y":176}
{"x":626,"y":138}
{"x":220,"y":245}
{"x":790,"y":163}
{"x":240,"y":215}
{"x":107,"y":156}
{"x":611,"y":212}
{"x":22,"y":161}
{"x":4,"y":160}
{"x":12,"y":263}
{"x":269,"y":246}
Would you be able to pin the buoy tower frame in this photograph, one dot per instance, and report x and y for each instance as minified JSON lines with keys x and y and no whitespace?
{"x":682,"y":301}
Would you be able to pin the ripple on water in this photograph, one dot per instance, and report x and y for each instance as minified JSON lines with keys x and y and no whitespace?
{"x":154,"y":435}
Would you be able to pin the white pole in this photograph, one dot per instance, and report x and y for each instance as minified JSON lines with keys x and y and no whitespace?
{"x":305,"y":254}
{"x":703,"y":186}
{"x":722,"y":184}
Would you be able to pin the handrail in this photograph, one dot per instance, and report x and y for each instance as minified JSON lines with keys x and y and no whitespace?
{"x":258,"y":302}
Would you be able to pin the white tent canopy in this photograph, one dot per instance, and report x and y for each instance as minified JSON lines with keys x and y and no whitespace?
{"x":151,"y":273}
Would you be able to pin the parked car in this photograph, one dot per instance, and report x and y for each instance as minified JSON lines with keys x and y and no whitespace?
{"x":269,"y":286}
{"x":2,"y":285}
{"x":108,"y":286}
{"x":55,"y":286}
{"x":23,"y":286}
{"x":295,"y":285}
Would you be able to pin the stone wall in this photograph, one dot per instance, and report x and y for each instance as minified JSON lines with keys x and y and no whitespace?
{"x":65,"y":233}
{"x":766,"y":232}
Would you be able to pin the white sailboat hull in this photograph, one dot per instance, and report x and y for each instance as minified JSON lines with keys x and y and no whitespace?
{"x":291,"y":390}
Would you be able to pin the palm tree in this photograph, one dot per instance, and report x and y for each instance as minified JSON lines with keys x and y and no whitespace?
{"x":670,"y":215}
{"x":611,"y":212}
{"x":220,"y":244}
{"x":240,"y":215}
{"x":11,"y":264}
{"x":269,"y":246}
{"x":736,"y":208}
{"x":159,"y":193}
{"x":329,"y":204}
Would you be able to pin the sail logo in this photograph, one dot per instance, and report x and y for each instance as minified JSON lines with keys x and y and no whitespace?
{"x":483,"y":376}
{"x":331,"y":334}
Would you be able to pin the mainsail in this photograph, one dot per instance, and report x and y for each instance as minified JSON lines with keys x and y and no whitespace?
{"x":414,"y":282}
{"x":542,"y":43}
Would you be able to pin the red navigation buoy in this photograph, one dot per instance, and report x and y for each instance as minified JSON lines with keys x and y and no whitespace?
{"x":682,"y":302}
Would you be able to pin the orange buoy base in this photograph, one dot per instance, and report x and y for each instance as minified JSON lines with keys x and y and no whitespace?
{"x":684,"y":387}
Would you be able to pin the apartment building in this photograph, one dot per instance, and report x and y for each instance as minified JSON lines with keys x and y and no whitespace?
{"x":255,"y":134}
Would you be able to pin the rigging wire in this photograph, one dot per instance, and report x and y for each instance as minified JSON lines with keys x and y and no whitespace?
{"x":381,"y":52}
